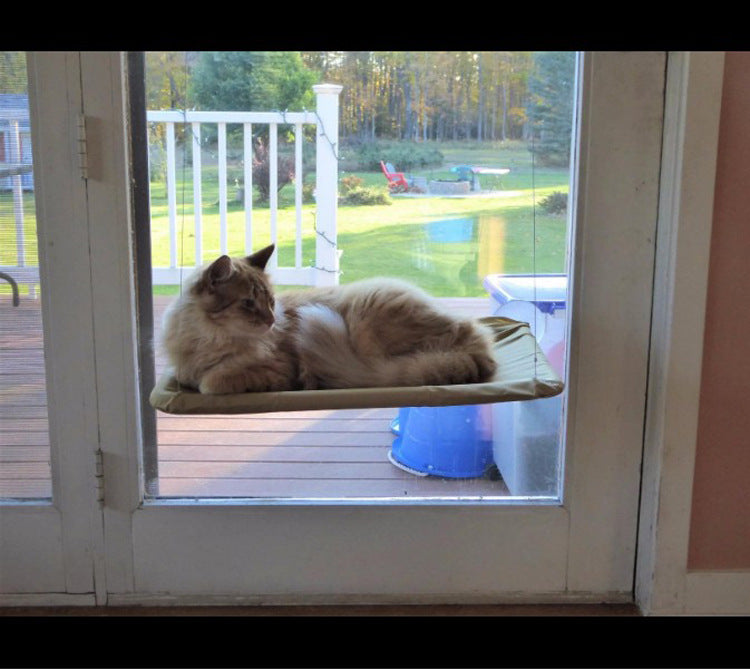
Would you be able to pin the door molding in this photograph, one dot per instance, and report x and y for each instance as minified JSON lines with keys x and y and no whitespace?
{"x":266,"y":552}
{"x":349,"y":552}
{"x":52,"y":553}
{"x":663,"y":583}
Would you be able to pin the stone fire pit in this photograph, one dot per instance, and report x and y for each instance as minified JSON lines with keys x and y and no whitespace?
{"x":449,"y":187}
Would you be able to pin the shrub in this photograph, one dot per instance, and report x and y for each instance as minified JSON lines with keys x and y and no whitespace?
{"x":352,"y":191}
{"x":261,"y":170}
{"x":404,"y":156}
{"x":555,"y":203}
{"x":308,"y":192}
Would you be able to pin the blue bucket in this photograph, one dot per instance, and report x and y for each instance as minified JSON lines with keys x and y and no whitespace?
{"x":400,"y":420}
{"x":454,"y":441}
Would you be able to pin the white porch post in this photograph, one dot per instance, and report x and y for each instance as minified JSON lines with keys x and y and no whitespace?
{"x":326,"y":184}
{"x":16,"y":180}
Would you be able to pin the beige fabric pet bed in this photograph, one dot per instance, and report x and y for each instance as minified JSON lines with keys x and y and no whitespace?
{"x":523,"y":374}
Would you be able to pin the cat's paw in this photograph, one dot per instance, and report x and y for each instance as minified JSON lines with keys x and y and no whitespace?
{"x":207,"y":388}
{"x":486,"y":366}
{"x":307,"y":380}
{"x":215,"y":385}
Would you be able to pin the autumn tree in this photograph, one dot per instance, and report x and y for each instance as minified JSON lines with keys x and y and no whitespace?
{"x":414,"y":95}
{"x":167,"y":78}
{"x":252,"y":81}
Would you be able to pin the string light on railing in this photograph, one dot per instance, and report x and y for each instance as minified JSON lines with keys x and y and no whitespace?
{"x":333,"y":244}
{"x":322,"y":133}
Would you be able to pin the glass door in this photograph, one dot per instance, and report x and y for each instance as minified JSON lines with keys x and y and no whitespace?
{"x":478,"y":218}
{"x":23,"y":404}
{"x":575,"y":543}
{"x":48,"y":417}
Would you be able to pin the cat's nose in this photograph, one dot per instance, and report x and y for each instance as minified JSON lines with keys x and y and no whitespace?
{"x":269,"y":319}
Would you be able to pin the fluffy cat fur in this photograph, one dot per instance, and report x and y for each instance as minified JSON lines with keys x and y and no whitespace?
{"x":229,"y":333}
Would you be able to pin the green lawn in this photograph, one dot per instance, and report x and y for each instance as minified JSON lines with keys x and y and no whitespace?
{"x":445,"y":245}
{"x":8,"y":247}
{"x":8,"y":230}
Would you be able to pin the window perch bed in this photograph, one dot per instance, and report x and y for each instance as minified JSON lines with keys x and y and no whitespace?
{"x":523,"y":374}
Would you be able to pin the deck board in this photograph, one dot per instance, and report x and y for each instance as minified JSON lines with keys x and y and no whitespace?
{"x":309,"y":454}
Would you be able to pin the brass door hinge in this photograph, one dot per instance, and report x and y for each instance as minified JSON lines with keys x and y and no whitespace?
{"x":99,"y":474}
{"x":82,"y":148}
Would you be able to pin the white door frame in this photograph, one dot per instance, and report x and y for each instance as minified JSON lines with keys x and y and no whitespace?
{"x":49,"y":550}
{"x":664,"y":585}
{"x":294,"y":551}
{"x":128,"y":558}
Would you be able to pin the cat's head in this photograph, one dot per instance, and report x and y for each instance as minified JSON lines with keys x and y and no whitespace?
{"x":237,"y":291}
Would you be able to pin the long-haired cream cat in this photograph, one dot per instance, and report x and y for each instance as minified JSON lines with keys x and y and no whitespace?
{"x":228,"y":333}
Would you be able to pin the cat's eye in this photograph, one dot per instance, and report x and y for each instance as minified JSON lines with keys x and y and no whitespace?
{"x":248,"y":303}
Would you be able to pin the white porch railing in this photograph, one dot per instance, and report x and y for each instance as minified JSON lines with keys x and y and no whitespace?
{"x":16,"y":175}
{"x":325,"y":270}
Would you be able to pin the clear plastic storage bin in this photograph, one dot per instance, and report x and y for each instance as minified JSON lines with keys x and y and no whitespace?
{"x":526,"y":435}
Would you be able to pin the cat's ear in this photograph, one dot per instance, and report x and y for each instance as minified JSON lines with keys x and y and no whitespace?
{"x":260,"y":258}
{"x":220,"y":270}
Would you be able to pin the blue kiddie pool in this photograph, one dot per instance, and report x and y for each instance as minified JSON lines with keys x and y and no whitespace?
{"x":453,"y":441}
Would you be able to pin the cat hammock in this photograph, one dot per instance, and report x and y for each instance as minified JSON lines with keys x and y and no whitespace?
{"x":523,"y":374}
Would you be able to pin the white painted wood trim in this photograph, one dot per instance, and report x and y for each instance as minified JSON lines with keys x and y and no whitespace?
{"x":693,"y":106}
{"x":17,"y":187}
{"x":347,"y":551}
{"x":47,"y":600}
{"x":31,"y":550}
{"x":616,"y":206}
{"x":298,"y":183}
{"x":713,"y":592}
{"x":247,"y":140}
{"x":222,"y":128}
{"x":462,"y":553}
{"x":273,"y":190}
{"x":172,"y":194}
{"x":62,"y":224}
{"x":326,"y":184}
{"x":327,"y":599}
{"x":445,"y":553}
{"x":197,"y":193}
{"x":113,"y":308}
{"x":51,"y":547}
{"x":280,"y":275}
{"x":232,"y":117}
{"x":23,"y":275}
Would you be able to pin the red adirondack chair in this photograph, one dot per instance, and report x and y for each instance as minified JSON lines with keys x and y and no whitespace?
{"x":396,"y":180}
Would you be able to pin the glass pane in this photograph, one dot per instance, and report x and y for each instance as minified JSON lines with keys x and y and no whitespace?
{"x":24,"y":436}
{"x":453,"y":174}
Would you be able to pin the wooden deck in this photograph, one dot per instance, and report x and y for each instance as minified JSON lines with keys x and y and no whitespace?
{"x":321,"y":454}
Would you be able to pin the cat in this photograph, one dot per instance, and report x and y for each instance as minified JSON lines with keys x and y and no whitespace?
{"x":228,"y":333}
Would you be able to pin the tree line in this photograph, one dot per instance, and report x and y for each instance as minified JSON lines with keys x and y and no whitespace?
{"x":404,"y":95}
{"x":429,"y":95}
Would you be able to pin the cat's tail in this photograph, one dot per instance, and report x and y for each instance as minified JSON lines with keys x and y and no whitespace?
{"x":328,"y":360}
